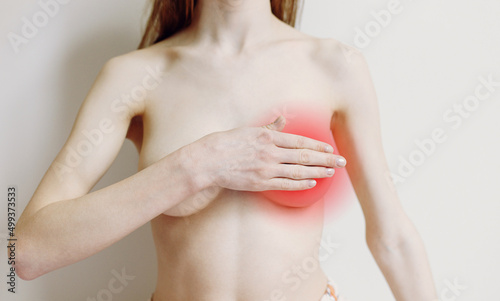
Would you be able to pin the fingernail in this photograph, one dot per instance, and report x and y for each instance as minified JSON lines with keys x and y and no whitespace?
{"x":328,"y":149}
{"x":340,"y":162}
{"x":312,"y":183}
{"x":330,"y":171}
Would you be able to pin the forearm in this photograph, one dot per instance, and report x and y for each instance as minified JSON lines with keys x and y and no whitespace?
{"x":70,"y":230}
{"x":403,"y":261}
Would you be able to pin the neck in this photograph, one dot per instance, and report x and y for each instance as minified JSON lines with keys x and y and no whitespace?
{"x":231,"y":25}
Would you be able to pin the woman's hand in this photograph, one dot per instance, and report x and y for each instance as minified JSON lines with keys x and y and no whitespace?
{"x":261,"y":158}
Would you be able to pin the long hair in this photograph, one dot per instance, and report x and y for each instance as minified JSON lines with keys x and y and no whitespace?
{"x":170,"y":16}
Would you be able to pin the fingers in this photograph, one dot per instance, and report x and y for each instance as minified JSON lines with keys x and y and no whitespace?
{"x":310,"y":157}
{"x":288,"y":184}
{"x":300,"y":172}
{"x":286,"y":140}
{"x":277,"y":125}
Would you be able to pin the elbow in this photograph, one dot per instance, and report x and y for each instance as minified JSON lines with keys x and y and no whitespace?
{"x":25,"y":269}
{"x":26,"y":273}
{"x":24,"y":261}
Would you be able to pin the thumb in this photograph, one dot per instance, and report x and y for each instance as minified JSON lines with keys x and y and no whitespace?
{"x":277,"y":125}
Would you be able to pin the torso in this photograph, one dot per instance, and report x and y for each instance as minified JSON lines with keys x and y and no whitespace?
{"x":222,"y":244}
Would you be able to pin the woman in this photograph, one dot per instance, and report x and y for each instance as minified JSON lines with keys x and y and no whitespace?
{"x":208,"y":73}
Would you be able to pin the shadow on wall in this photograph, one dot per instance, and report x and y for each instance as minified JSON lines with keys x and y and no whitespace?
{"x":126,"y":270}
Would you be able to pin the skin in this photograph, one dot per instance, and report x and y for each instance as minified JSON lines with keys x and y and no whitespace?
{"x":213,"y":231}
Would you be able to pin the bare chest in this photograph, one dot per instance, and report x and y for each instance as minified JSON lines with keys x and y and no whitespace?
{"x":199,"y":98}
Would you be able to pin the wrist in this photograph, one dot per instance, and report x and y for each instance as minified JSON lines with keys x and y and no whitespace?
{"x":190,"y":158}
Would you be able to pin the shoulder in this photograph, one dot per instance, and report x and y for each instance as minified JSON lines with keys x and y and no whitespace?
{"x":335,"y":58}
{"x":346,"y":67}
{"x":133,"y":76}
{"x":339,"y":58}
{"x":135,"y":65}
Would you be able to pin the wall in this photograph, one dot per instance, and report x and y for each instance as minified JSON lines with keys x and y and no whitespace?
{"x":426,"y":59}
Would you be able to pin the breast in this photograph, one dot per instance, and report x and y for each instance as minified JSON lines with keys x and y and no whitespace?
{"x":307,"y":119}
{"x":313,"y":123}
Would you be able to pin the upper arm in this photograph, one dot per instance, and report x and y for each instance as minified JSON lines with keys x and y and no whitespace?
{"x":96,"y":137}
{"x":356,"y":128}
